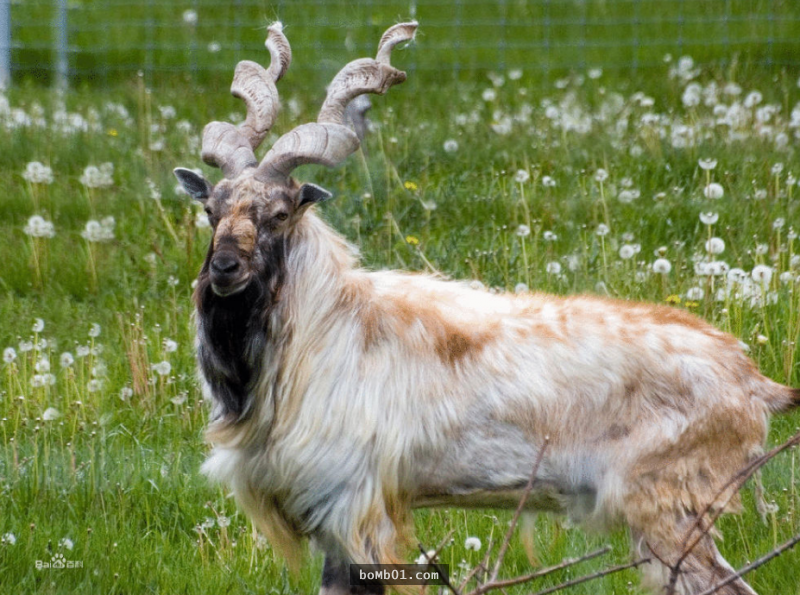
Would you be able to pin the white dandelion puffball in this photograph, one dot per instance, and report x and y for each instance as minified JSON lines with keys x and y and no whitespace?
{"x":600,"y":175}
{"x":553,"y":268}
{"x":50,"y":414}
{"x":695,"y":294}
{"x":523,"y":231}
{"x":628,"y":196}
{"x":99,"y":231}
{"x":715,"y":246}
{"x":39,"y":227}
{"x":38,"y":325}
{"x":762,"y":274}
{"x":66,"y":543}
{"x":662,"y":266}
{"x":190,"y":17}
{"x":162,"y":368}
{"x":714,"y":191}
{"x":473,"y":544}
{"x":450,"y":145}
{"x":602,"y":230}
{"x":522,"y":176}
{"x":38,"y":173}
{"x":707,"y":164}
{"x":548,"y":182}
{"x":626,"y":252}
{"x":9,"y":354}
{"x":522,"y":288}
{"x":709,"y":218}
{"x":98,"y":176}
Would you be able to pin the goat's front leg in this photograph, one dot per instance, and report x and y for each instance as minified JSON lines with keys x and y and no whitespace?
{"x":336,"y":580}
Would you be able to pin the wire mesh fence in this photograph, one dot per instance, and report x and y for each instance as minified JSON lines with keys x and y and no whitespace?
{"x":103,"y":41}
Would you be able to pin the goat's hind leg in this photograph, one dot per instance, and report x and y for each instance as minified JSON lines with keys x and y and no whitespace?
{"x":336,"y":580}
{"x":704,"y":567}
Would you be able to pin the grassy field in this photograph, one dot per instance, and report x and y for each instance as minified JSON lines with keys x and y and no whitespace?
{"x":198,"y":40}
{"x":594,"y":184}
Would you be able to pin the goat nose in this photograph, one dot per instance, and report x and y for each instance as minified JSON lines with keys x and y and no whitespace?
{"x":225,"y":264}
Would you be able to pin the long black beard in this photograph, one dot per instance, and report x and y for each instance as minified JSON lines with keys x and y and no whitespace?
{"x":234,"y":331}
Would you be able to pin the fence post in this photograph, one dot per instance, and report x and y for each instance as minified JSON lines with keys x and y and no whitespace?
{"x":5,"y":44}
{"x":62,"y":47}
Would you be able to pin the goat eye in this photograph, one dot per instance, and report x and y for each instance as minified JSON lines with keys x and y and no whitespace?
{"x":282,"y":216}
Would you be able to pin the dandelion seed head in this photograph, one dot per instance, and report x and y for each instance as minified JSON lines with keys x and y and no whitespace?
{"x":523,"y":231}
{"x":695,"y":294}
{"x":98,"y":176}
{"x":39,"y":227}
{"x":762,"y":274}
{"x":162,"y":368}
{"x":50,"y":414}
{"x":9,"y":355}
{"x":522,"y":176}
{"x":709,"y":218}
{"x":628,"y":196}
{"x":472,"y":544}
{"x":66,"y":543}
{"x":707,"y":164}
{"x":450,"y":145}
{"x":662,"y":266}
{"x":715,"y":245}
{"x":553,"y":268}
{"x":190,"y":16}
{"x":714,"y":191}
{"x":38,"y":173}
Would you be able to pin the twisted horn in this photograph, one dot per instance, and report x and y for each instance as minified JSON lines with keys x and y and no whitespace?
{"x":229,"y":147}
{"x":329,"y":141}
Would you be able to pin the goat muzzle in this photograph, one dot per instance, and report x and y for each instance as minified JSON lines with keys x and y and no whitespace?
{"x":228,"y":274}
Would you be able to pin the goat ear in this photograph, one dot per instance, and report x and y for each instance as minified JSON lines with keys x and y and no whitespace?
{"x":195,"y":185}
{"x":311,"y":194}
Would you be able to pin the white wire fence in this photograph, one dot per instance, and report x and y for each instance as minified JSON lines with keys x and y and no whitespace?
{"x":105,"y":41}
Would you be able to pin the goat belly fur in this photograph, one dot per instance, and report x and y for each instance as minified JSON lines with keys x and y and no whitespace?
{"x":370,"y":393}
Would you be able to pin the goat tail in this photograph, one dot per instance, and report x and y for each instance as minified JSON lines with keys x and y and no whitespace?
{"x":781,"y":399}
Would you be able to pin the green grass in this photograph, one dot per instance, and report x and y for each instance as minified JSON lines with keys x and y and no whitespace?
{"x":110,"y":40}
{"x":119,"y":476}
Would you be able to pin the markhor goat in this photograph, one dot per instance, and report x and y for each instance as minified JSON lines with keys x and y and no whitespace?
{"x":345,"y":398}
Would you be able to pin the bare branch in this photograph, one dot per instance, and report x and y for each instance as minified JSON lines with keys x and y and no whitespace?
{"x":518,"y":580}
{"x":732,"y":486}
{"x":522,"y":501}
{"x":753,"y":565}
{"x":591,"y":577}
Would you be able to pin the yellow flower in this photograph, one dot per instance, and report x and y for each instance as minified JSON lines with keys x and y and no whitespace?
{"x":410,"y":186}
{"x":112,"y":132}
{"x":411,"y":239}
{"x":691,"y":304}
{"x":673,"y":299}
